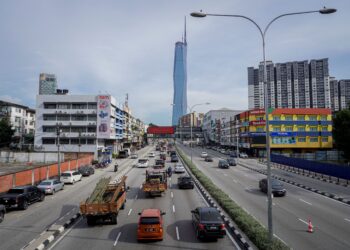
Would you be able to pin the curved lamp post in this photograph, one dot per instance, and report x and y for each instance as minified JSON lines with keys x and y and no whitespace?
{"x":263,"y":35}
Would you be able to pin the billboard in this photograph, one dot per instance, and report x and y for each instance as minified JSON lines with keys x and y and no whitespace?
{"x":160,"y":130}
{"x":103,"y":116}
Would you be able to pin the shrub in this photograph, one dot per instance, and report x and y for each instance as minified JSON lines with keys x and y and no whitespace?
{"x":252,"y":228}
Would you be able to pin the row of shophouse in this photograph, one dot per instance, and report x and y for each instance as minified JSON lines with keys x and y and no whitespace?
{"x":297,"y":130}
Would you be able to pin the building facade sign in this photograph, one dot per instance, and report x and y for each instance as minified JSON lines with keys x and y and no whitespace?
{"x":257,"y":112}
{"x":282,"y":134}
{"x":103,"y":117}
{"x":257,"y":123}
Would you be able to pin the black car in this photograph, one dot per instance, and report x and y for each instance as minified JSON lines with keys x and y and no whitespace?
{"x":174,"y":158}
{"x":207,"y":223}
{"x":223,"y":164}
{"x":277,"y":187}
{"x":21,"y":197}
{"x":185,"y":182}
{"x":2,"y":212}
{"x":160,"y":162}
{"x":231,"y":161}
{"x":171,"y":153}
{"x":86,"y":170}
{"x":208,"y":158}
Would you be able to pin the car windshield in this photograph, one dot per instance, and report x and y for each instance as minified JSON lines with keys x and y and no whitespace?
{"x":185,"y":179}
{"x":277,"y":184}
{"x":45,"y":183}
{"x":142,"y":161}
{"x":66,"y":174}
{"x":149,"y":220}
{"x":16,"y":191}
{"x":210,"y":216}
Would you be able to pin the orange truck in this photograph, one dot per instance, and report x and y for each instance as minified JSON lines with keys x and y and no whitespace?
{"x":155,"y":183}
{"x":104,"y":202}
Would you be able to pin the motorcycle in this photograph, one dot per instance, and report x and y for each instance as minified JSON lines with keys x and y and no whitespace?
{"x":115,"y":167}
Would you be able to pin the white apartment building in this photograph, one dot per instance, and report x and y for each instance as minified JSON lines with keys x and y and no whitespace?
{"x":22,"y":118}
{"x":86,"y":123}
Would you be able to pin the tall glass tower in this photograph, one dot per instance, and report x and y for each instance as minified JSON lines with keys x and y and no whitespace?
{"x":180,"y":80}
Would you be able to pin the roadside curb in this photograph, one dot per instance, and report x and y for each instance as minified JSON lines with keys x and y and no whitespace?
{"x":56,"y":232}
{"x":230,"y":226}
{"x":324,"y":193}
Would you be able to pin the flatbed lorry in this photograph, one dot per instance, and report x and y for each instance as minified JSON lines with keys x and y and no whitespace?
{"x":104,"y":202}
{"x":155,"y":183}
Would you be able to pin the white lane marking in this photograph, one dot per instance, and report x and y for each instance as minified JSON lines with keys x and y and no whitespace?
{"x":173,"y":208}
{"x":170,"y":179}
{"x":280,"y":239}
{"x":141,"y":186}
{"x":63,"y":235}
{"x":234,"y":181}
{"x":225,"y":174}
{"x":303,"y":221}
{"x":130,"y":211}
{"x":177,"y":233}
{"x":272,"y":202}
{"x":136,"y":197}
{"x":245,"y":175}
{"x":116,"y":240}
{"x":347,"y":220}
{"x":172,"y":195}
{"x":305,"y":202}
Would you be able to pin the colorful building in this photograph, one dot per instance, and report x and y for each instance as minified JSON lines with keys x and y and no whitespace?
{"x":303,"y":130}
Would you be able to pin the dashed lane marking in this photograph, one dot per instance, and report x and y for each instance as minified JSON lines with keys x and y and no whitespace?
{"x":173,"y":208}
{"x":303,"y":221}
{"x":305,"y":202}
{"x":116,"y":240}
{"x":177,"y":233}
{"x":172,"y":195}
{"x":130,"y":211}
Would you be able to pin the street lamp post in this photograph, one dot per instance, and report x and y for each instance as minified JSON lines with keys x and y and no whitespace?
{"x":191,"y":108}
{"x":263,"y":35}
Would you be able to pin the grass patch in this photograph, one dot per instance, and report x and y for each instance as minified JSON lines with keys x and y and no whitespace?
{"x":252,"y":228}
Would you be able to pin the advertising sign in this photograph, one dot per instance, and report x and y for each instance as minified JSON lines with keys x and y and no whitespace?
{"x":257,"y":112}
{"x":283,"y":140}
{"x":103,"y":116}
{"x":282,"y":134}
{"x":257,"y":123}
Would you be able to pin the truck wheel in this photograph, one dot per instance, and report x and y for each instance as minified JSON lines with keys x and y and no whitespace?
{"x":24,"y":205}
{"x":42,"y":197}
{"x":114,"y":219}
{"x":2,"y":215}
{"x":123,"y":206}
{"x":90,"y":221}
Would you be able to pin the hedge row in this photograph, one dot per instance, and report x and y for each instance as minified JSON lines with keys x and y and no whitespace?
{"x":252,"y":228}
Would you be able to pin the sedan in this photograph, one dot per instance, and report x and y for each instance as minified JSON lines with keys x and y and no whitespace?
{"x":51,"y":186}
{"x":243,"y":155}
{"x":71,"y":177}
{"x":231,"y":161}
{"x":277,"y":187}
{"x":204,"y":154}
{"x":208,"y":159}
{"x":134,"y":156}
{"x":179,"y":169}
{"x":86,"y":170}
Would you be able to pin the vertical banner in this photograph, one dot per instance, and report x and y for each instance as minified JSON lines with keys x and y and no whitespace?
{"x":103,"y":118}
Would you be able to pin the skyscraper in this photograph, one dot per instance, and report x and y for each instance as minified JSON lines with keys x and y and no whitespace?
{"x":180,"y":80}
{"x":47,"y":84}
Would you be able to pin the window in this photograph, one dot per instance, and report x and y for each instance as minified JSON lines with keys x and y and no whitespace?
{"x":323,"y":118}
{"x":312,"y":117}
{"x":260,"y":129}
{"x":17,"y":119}
{"x":301,"y":128}
{"x":92,"y":106}
{"x":63,"y":118}
{"x":64,"y":141}
{"x":49,"y":129}
{"x":78,"y":129}
{"x":313,"y":139}
{"x":91,"y":129}
{"x":324,"y":139}
{"x":49,"y":117}
{"x":260,"y":118}
{"x":289,"y":128}
{"x":79,"y":106}
{"x":313,"y":128}
{"x":63,"y":106}
{"x":79,"y":117}
{"x":276,"y":129}
{"x":49,"y":141}
{"x":301,"y":139}
{"x":301,"y":118}
{"x":289,"y":118}
{"x":276,"y":118}
{"x":90,"y":141}
{"x":92,"y":118}
{"x":49,"y":106}
{"x":324,"y":128}
{"x":74,"y":141}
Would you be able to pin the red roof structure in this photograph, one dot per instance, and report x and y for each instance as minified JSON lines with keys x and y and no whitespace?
{"x":158,"y":130}
{"x":301,"y":111}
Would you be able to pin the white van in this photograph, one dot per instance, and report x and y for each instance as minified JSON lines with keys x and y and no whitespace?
{"x":70,"y":177}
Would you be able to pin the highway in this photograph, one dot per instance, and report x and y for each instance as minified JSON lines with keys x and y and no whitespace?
{"x":331,"y":219}
{"x":179,"y":233}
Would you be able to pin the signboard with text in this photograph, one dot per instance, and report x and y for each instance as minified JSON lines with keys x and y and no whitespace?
{"x":103,"y":116}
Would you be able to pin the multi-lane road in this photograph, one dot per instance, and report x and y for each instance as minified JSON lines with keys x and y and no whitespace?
{"x":23,"y":227}
{"x":331,"y":219}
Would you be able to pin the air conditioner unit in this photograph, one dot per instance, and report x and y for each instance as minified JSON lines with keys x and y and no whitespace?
{"x":81,"y":112}
{"x":90,"y":123}
{"x":60,"y":112}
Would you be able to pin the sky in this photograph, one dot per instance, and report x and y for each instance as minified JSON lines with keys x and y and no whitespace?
{"x":119,"y":47}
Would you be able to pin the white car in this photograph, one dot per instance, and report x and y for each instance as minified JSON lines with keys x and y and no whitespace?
{"x":142,"y":163}
{"x":134,"y":156}
{"x":152,"y":154}
{"x":204,"y":154}
{"x":70,"y":177}
{"x":243,"y":155}
{"x":179,"y":169}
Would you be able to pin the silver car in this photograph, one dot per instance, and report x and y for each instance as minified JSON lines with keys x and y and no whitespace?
{"x":51,"y":186}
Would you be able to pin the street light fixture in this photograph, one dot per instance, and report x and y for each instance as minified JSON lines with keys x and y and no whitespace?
{"x":263,"y":35}
{"x":191,"y":108}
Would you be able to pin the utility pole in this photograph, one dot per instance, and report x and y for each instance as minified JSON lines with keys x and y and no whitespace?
{"x":58,"y":133}
{"x":79,"y":147}
{"x":237,"y":137}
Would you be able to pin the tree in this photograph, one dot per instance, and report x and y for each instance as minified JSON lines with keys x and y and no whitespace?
{"x":341,"y":132}
{"x":6,"y":132}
